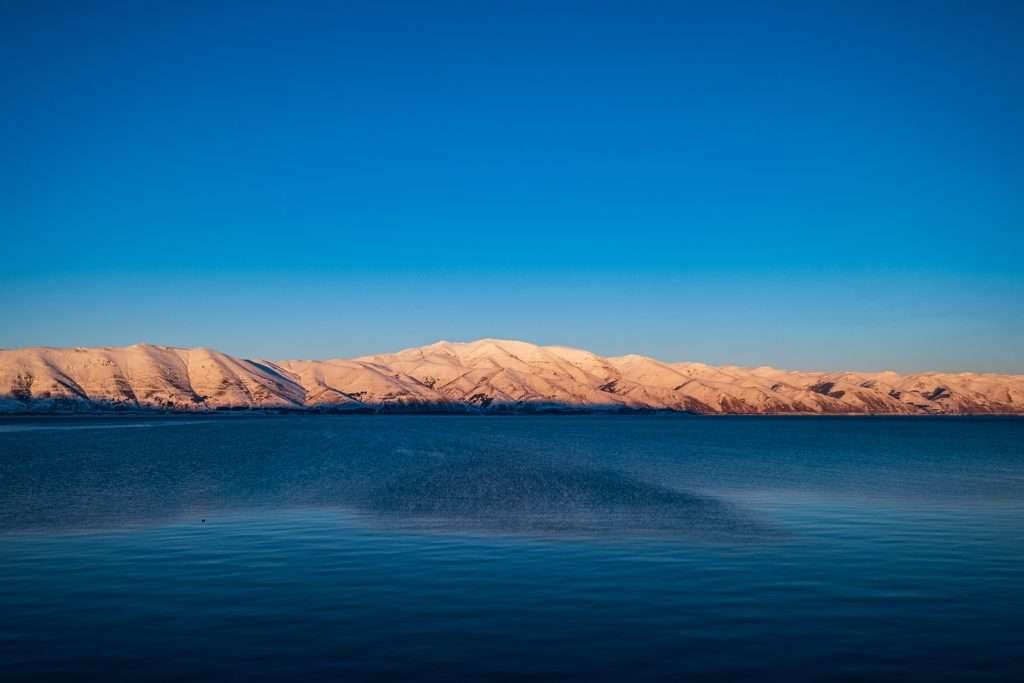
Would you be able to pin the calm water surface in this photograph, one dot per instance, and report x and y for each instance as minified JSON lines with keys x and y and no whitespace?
{"x":455,"y":548}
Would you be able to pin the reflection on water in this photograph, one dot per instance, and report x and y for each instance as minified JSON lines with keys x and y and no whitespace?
{"x":41,"y":424}
{"x":510,"y":494}
{"x":447,"y":547}
{"x":450,"y":489}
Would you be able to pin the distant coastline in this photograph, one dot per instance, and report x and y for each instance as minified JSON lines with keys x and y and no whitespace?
{"x":488,"y":376}
{"x":259,"y":413}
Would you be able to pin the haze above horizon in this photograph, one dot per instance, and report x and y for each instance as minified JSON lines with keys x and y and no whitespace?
{"x":801,"y":187}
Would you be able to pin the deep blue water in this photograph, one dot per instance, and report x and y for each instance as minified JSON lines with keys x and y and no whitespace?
{"x":456,"y":548}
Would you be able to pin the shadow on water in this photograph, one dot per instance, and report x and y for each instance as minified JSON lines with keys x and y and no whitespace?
{"x":105,"y":477}
{"x":506,"y":494}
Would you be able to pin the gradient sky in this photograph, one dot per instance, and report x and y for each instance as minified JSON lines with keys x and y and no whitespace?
{"x":804,"y":185}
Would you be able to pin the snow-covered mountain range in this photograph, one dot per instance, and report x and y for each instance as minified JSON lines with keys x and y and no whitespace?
{"x":489,"y":375}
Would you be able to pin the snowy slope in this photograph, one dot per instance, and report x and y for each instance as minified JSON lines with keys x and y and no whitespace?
{"x":489,"y":374}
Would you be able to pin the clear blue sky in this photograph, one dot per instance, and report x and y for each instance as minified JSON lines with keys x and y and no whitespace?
{"x":819,"y":185}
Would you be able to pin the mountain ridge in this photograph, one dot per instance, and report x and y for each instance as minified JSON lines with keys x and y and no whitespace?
{"x":486,"y":375}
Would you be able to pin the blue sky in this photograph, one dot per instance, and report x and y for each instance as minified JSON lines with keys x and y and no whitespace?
{"x":800,"y":185}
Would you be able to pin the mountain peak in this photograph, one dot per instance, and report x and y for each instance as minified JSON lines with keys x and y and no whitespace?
{"x":481,"y":375}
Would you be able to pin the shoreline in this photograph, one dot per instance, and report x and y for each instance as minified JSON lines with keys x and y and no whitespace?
{"x":256,"y":413}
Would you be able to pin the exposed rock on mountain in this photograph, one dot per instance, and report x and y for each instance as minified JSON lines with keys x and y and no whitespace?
{"x":140,"y":376}
{"x":487,"y":375}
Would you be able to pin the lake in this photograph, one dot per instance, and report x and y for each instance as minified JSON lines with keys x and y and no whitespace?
{"x":584,"y":547}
